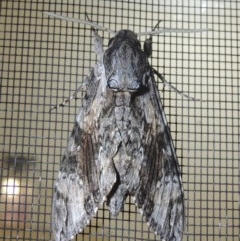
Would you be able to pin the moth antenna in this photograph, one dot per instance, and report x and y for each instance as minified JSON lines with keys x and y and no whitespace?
{"x":172,"y":30}
{"x":95,"y":25}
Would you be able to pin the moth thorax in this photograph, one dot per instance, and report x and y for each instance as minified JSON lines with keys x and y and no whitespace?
{"x":123,"y":98}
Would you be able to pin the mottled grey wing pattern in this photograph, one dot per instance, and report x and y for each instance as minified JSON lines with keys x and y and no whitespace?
{"x":160,"y":195}
{"x":77,"y":190}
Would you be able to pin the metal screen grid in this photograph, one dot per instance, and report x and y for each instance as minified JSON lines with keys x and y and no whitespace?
{"x":44,"y":60}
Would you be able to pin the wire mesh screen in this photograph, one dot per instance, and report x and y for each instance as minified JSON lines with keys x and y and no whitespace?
{"x":44,"y":60}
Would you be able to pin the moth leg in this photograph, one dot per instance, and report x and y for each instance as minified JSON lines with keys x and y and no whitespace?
{"x":171,"y":87}
{"x":148,"y":46}
{"x":73,"y":96}
{"x":98,"y":42}
{"x":148,"y":42}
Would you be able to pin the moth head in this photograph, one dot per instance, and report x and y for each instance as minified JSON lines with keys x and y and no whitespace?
{"x":125,"y":62}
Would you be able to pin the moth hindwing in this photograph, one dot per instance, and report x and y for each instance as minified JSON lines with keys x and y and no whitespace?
{"x":120,"y":145}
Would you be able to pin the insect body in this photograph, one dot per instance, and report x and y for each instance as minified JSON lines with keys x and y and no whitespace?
{"x":120,"y":145}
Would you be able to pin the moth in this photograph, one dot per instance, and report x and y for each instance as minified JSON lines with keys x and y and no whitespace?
{"x":120,"y":146}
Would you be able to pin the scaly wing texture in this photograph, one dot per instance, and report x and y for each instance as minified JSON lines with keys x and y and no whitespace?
{"x":160,"y":195}
{"x":79,"y":188}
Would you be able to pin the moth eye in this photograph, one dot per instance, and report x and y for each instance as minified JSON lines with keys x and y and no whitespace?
{"x":134,"y":85}
{"x":113,"y":84}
